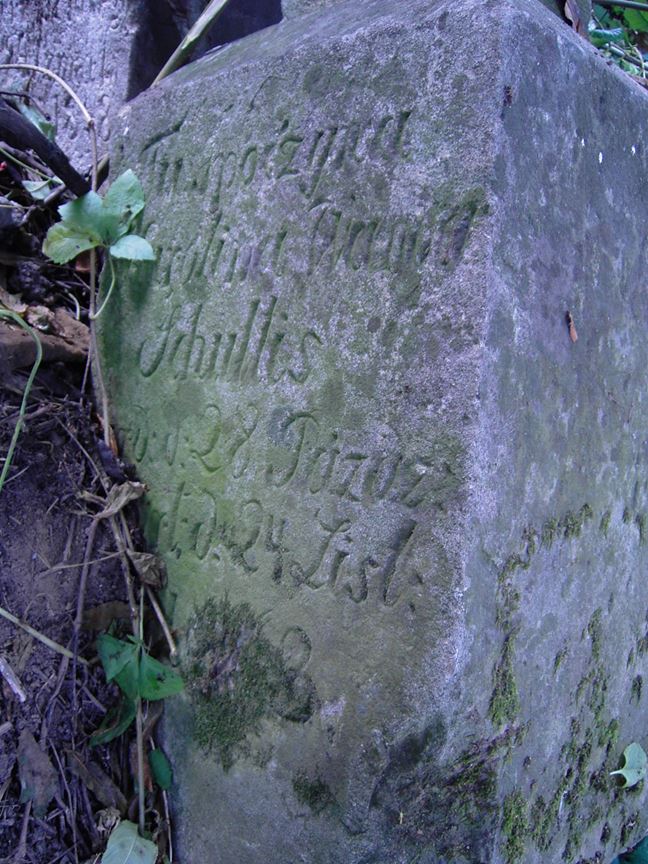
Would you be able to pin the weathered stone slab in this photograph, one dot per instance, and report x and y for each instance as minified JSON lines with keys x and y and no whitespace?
{"x":403,"y":513}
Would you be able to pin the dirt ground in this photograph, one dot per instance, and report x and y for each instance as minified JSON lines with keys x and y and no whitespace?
{"x":44,"y":528}
{"x":62,"y":579}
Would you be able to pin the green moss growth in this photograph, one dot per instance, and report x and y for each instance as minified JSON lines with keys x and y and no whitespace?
{"x":572,"y":523}
{"x":515,"y":826}
{"x":595,"y":630}
{"x":636,"y":688}
{"x":627,"y":516}
{"x":549,"y":532}
{"x":505,"y":699}
{"x":605,"y":522}
{"x":558,"y":659}
{"x":609,"y":736}
{"x":235,"y":677}
{"x":642,"y":524}
{"x":315,"y":794}
{"x":544,"y":818}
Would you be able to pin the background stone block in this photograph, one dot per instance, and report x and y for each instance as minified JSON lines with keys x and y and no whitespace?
{"x":403,"y":512}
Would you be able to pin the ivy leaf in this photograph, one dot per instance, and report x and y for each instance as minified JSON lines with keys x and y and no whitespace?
{"x":40,"y":189}
{"x":86,"y":215}
{"x":634,"y":768}
{"x":40,"y":121}
{"x":116,"y":654}
{"x":125,"y":846}
{"x":115,"y":722}
{"x":157,"y":681}
{"x":133,"y":247}
{"x":636,"y":20}
{"x":123,"y":201}
{"x":600,"y":38}
{"x":63,"y":243}
{"x":161,"y":768}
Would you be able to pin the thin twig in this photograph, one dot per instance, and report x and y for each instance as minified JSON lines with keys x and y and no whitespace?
{"x":162,"y":621}
{"x":58,"y":567}
{"x":21,"y":851}
{"x":6,"y":313}
{"x":626,"y":4}
{"x":78,"y":618}
{"x":43,"y":71}
{"x":12,"y":680}
{"x":40,"y":636}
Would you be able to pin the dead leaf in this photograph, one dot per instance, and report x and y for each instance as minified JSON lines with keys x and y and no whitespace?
{"x":149,"y":568}
{"x":38,"y":779}
{"x":106,"y":820}
{"x":98,"y":782}
{"x":573,"y":335}
{"x":100,"y":617}
{"x":573,"y":15}
{"x":119,"y":496}
{"x":11,"y":301}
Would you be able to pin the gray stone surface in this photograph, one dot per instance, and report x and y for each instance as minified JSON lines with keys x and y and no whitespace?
{"x":404,"y":514}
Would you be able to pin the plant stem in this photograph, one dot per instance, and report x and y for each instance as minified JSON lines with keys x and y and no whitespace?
{"x":139,"y":727}
{"x":113,"y":278}
{"x":25,"y":165}
{"x":6,"y":313}
{"x":43,"y":71}
{"x":195,"y":34}
{"x":626,"y":4}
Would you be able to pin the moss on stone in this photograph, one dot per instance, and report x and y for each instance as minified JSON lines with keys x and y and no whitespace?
{"x":558,"y":659}
{"x":505,"y":699}
{"x":595,"y":630}
{"x":544,"y":818}
{"x":572,"y":523}
{"x":314,"y":793}
{"x":642,"y":524}
{"x":605,"y":522}
{"x":549,"y":532}
{"x":235,"y":677}
{"x":515,"y":826}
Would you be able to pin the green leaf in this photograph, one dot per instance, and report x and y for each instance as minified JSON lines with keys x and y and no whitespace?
{"x":636,"y":20}
{"x":156,"y":680}
{"x":115,"y":723}
{"x":40,"y":189}
{"x":161,"y":768}
{"x":86,"y":215}
{"x":39,"y":120}
{"x":63,"y":243}
{"x":115,"y":654}
{"x":634,"y":767}
{"x":600,"y":38}
{"x":125,"y":846}
{"x":124,"y":200}
{"x":133,"y":247}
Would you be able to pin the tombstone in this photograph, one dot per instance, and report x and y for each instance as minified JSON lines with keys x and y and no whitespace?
{"x":386,"y":386}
